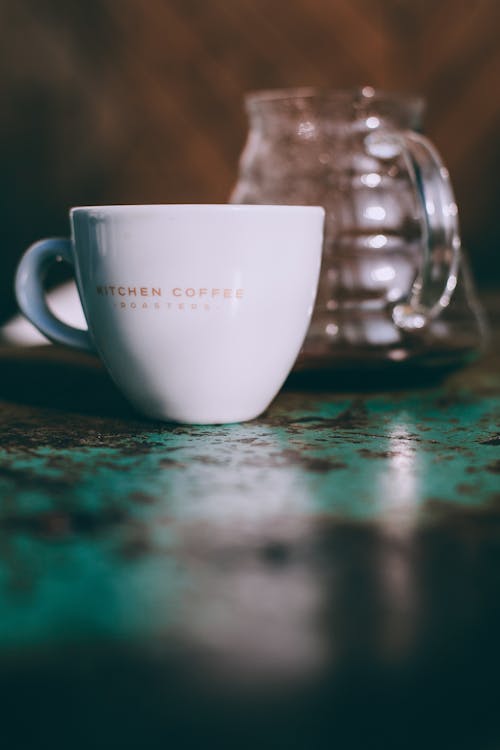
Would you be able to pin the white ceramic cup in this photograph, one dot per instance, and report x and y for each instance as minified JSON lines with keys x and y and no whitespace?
{"x":197,"y":311}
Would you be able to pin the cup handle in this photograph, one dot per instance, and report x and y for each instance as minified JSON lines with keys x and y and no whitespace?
{"x":431,"y":292}
{"x":31,"y":296}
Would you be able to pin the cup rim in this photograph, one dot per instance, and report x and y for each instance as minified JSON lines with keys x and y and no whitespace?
{"x":211,"y":207}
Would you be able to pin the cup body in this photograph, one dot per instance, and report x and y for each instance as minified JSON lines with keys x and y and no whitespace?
{"x":198,"y":311}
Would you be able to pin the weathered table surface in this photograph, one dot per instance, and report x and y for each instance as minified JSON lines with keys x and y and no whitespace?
{"x":326,"y":576}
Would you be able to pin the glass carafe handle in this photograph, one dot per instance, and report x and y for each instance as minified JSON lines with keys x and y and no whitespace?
{"x":437,"y":277}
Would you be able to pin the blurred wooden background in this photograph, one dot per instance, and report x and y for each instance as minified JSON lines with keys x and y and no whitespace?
{"x":107,"y":101}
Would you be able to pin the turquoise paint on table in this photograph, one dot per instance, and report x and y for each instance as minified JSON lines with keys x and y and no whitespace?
{"x":304,"y":457}
{"x":102,"y":522}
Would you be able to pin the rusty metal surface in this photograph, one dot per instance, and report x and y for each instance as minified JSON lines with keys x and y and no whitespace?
{"x":328,"y":575}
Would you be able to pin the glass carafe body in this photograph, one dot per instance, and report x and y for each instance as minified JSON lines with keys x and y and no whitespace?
{"x":394,"y":286}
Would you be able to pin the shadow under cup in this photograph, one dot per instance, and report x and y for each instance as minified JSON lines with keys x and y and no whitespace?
{"x":197,"y":311}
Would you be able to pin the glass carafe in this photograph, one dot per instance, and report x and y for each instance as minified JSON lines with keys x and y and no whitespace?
{"x":394,"y":285}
